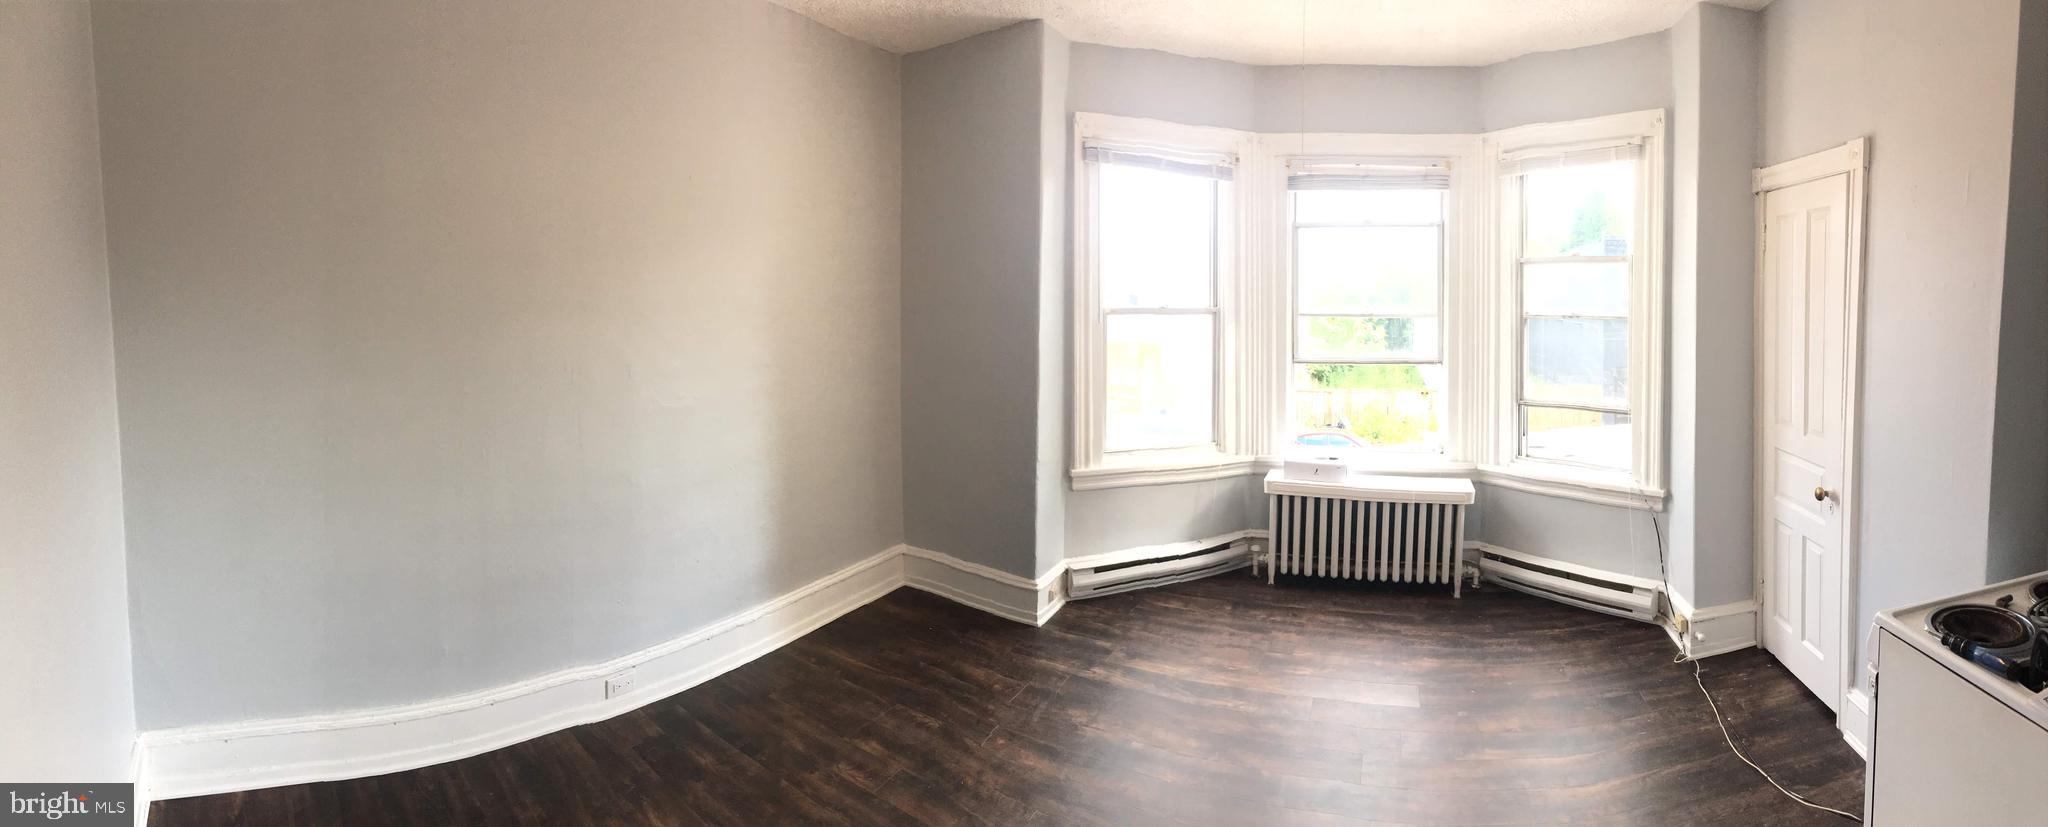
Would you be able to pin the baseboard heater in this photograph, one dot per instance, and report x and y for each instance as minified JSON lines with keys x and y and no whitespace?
{"x":1380,"y":528}
{"x":1571,"y":584}
{"x":1150,"y":566}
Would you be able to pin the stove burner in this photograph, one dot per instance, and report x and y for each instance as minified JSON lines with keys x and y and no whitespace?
{"x":2001,"y":631}
{"x":2040,"y":590}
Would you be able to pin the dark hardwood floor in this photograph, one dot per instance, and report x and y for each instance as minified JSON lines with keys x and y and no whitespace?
{"x":1222,"y":701}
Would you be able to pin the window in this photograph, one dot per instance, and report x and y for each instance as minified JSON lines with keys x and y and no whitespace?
{"x":1368,"y":248}
{"x":1580,"y":355}
{"x":1479,"y":305}
{"x":1572,"y":274}
{"x":1159,"y":231}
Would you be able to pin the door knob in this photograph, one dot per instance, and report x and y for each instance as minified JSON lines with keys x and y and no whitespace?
{"x":1820,"y":493}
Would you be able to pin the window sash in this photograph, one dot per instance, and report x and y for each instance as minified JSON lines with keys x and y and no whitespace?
{"x":1096,"y":156}
{"x":1218,"y":169}
{"x":1216,"y":391}
{"x":1439,"y":180}
{"x":1515,"y":168}
{"x":1521,"y":413}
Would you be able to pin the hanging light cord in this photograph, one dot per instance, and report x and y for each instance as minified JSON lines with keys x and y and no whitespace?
{"x":1302,"y":140}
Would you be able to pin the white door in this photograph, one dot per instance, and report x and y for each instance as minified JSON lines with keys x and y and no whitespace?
{"x":1805,"y":345}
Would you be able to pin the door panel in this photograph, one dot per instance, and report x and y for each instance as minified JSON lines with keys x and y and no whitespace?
{"x":1804,"y":355}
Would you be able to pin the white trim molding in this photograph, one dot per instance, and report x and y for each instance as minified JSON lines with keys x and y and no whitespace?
{"x":1212,"y":467}
{"x":138,"y":774}
{"x":1714,"y":630}
{"x":1000,"y":593}
{"x":218,"y":758}
{"x":1854,"y":720}
{"x":1592,"y":489}
{"x":1851,"y":157}
{"x":1853,"y":160}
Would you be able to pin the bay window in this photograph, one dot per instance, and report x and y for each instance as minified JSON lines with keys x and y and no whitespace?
{"x":1478,"y":305}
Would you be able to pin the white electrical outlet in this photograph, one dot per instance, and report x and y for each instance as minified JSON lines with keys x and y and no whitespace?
{"x":619,"y":683}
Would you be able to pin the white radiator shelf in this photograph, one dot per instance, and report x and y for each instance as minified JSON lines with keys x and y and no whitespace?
{"x":1377,"y":488}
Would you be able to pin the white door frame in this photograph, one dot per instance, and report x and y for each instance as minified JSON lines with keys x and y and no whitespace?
{"x":1852,"y":159}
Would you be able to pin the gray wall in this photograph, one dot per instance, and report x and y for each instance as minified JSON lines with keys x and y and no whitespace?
{"x":1713,"y":130}
{"x":1623,"y":76}
{"x":465,"y":341}
{"x":2018,"y":542}
{"x":1141,"y":83}
{"x":1114,"y":519}
{"x":1932,"y":85}
{"x":66,"y":702}
{"x":973,"y":190}
{"x":1620,"y":540}
{"x":1421,"y":100}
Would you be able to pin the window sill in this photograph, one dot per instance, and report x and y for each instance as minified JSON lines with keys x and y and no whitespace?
{"x":1536,"y":478}
{"x":1572,"y":483}
{"x":1164,"y":470}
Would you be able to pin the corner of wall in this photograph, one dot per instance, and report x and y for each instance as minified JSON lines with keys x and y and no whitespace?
{"x":1053,"y":341}
{"x":2019,"y":460}
{"x":984,"y":384}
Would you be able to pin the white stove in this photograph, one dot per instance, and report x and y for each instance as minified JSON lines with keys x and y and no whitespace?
{"x":1960,"y":716}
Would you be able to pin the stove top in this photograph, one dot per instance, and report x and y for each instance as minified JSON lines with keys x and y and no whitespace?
{"x":1987,"y":636}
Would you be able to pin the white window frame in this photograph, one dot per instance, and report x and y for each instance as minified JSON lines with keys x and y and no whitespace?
{"x":1231,"y":453}
{"x":1640,"y":485}
{"x":1255,"y":307}
{"x":1461,"y":317}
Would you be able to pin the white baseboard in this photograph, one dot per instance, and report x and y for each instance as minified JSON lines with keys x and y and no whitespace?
{"x":1714,"y":630}
{"x":999,"y":593}
{"x":138,"y":772}
{"x":201,"y":760}
{"x":1854,"y":721}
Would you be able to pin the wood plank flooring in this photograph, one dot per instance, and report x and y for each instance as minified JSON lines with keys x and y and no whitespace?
{"x":1222,"y":701}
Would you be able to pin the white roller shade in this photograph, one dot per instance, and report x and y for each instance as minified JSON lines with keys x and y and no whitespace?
{"x":1337,"y":174}
{"x":1531,"y":160}
{"x":1203,"y":165}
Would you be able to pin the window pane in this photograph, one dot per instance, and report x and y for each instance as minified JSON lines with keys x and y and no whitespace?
{"x":1389,"y":270}
{"x":1161,"y":381}
{"x":1585,"y":210}
{"x":1356,"y":338}
{"x":1570,"y":435}
{"x":1572,"y":289}
{"x":1378,"y":406}
{"x":1577,"y":361}
{"x":1155,"y":237}
{"x":1368,"y":206}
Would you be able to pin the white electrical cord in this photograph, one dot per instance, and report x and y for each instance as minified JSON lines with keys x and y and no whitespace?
{"x":1752,"y":764}
{"x":1718,"y":720}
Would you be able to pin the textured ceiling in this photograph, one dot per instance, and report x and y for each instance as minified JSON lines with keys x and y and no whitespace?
{"x":1271,"y":32}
